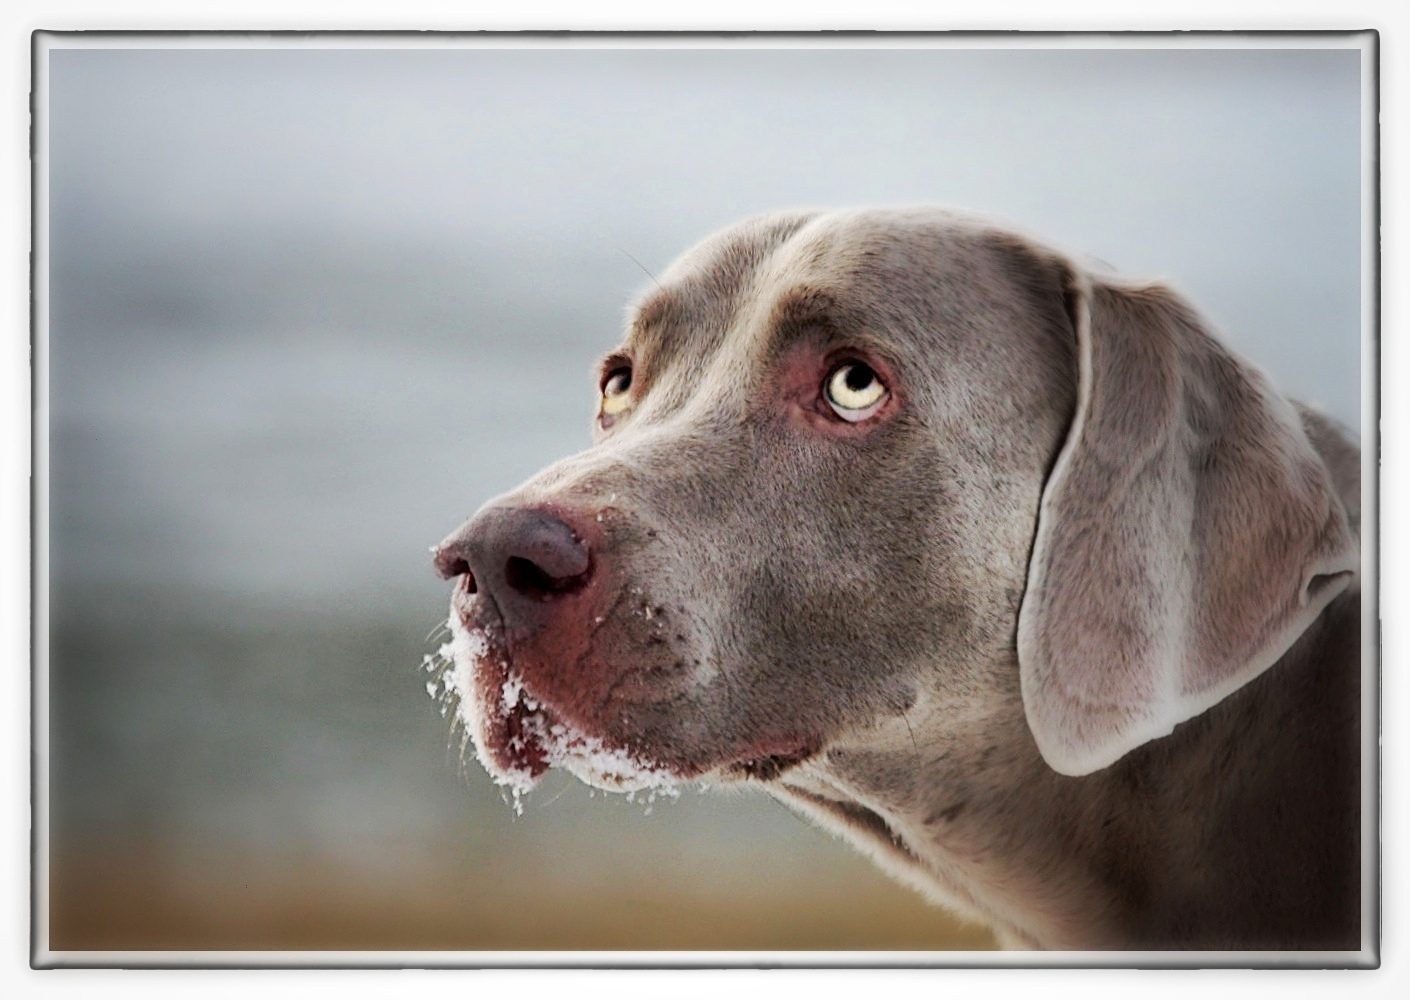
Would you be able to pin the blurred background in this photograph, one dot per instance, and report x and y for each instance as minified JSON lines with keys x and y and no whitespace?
{"x":309,"y":307}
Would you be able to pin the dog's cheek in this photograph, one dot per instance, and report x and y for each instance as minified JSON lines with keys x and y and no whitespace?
{"x":821,"y":594}
{"x":647,"y":650}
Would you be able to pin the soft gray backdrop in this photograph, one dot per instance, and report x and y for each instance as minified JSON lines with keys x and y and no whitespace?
{"x":311,"y":307}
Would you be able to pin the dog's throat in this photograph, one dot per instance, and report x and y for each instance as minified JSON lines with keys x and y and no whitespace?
{"x":856,"y":818}
{"x":771,"y":767}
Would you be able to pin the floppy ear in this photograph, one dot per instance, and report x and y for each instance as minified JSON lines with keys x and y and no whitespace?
{"x":1187,"y":534}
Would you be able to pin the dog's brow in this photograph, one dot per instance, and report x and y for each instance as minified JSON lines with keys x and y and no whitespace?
{"x":806,"y":309}
{"x":654,"y":312}
{"x":659,"y":329}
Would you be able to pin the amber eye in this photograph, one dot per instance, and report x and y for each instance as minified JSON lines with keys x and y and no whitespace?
{"x":854,"y":391}
{"x":616,"y":391}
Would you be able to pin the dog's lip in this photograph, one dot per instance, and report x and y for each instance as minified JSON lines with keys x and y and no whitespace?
{"x":533,"y":736}
{"x":527,"y":734}
{"x":549,"y":738}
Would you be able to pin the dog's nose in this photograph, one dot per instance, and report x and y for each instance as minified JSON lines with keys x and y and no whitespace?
{"x":519,"y":556}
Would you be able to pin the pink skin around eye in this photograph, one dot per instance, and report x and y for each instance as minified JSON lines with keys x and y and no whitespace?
{"x":802,"y":380}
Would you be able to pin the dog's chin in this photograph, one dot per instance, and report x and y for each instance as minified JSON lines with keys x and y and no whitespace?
{"x":517,"y":735}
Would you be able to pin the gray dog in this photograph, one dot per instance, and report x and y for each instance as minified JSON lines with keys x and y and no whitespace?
{"x":999,"y":564}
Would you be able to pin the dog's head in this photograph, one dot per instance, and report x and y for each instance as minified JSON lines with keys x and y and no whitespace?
{"x":847,"y":462}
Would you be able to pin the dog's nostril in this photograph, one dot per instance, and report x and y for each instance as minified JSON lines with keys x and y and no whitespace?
{"x":532,"y":580}
{"x":450,"y":562}
{"x":458,"y":567}
{"x":526,"y":578}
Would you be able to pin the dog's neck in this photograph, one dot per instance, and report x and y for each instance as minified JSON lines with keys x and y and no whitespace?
{"x":968,"y":830}
{"x":1125,"y":857}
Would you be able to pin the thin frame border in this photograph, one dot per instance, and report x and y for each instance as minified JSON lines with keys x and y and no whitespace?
{"x":1367,"y":41}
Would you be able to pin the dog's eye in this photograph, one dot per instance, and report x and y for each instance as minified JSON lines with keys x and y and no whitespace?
{"x":616,"y":390}
{"x":854,"y":391}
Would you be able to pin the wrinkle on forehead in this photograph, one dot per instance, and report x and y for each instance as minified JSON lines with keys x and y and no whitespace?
{"x":817,"y":314}
{"x":704,"y":291}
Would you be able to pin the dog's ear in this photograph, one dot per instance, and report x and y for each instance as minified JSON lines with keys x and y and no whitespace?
{"x":1187,"y":534}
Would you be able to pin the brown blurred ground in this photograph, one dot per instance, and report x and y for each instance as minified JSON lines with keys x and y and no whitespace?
{"x":134,"y":899}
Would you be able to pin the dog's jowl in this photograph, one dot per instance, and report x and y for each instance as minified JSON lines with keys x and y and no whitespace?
{"x":999,"y":563}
